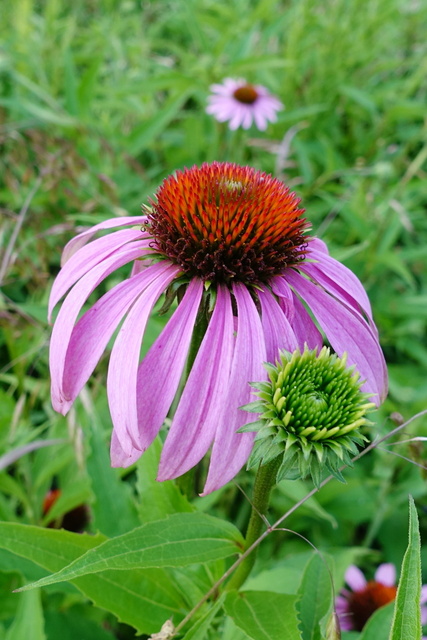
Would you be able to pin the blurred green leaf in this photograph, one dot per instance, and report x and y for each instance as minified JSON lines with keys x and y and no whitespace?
{"x":315,"y":598}
{"x":29,"y":621}
{"x":157,"y":499}
{"x":407,"y":612}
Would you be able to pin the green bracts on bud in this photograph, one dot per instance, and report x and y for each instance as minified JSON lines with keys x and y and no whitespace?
{"x":312,"y":410}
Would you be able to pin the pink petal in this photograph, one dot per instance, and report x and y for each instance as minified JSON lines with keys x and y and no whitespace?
{"x":203,"y":399}
{"x":118,"y":457}
{"x":67,"y":316}
{"x":386,"y":574}
{"x":124,"y":359}
{"x":277,"y":330}
{"x":160,"y":372}
{"x":339,"y":280}
{"x":94,"y":330}
{"x":346,"y":333}
{"x":355,"y":578}
{"x":86,"y":259}
{"x":305,"y":330}
{"x":423,"y":594}
{"x":231,"y":450}
{"x":81,"y":239}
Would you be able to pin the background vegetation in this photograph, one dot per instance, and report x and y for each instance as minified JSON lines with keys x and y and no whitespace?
{"x":100,"y":100}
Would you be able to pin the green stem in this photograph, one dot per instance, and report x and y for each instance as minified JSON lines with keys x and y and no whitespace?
{"x":186,"y":481}
{"x":264,"y":482}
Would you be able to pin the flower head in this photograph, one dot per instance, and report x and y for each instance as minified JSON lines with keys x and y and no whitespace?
{"x":312,"y":411}
{"x":355,"y":607}
{"x":229,"y":243}
{"x":241,"y":104}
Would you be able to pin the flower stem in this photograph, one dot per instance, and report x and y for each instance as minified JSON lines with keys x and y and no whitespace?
{"x":264,"y":482}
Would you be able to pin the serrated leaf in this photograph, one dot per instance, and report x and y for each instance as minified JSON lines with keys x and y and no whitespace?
{"x":143,"y":599}
{"x":264,"y":615}
{"x":407,"y":612}
{"x":315,"y":597}
{"x":177,"y":541}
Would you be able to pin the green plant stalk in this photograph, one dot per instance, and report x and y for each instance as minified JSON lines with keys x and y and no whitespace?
{"x":264,"y":482}
{"x":187,"y":480}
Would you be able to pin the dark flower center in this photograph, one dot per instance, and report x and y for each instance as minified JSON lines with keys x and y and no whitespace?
{"x":246,"y":94}
{"x":223,"y":222}
{"x":363,"y":603}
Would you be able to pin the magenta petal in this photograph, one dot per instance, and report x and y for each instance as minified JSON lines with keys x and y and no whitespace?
{"x":386,"y":574}
{"x":285,"y":294}
{"x":124,"y":359}
{"x":347,"y":333}
{"x":305,"y":330}
{"x":160,"y":371}
{"x":202,"y":402}
{"x":277,"y":330}
{"x":355,"y":578}
{"x":339,"y":280}
{"x":118,"y":457}
{"x":231,"y":450}
{"x":78,"y":241}
{"x":423,"y":599}
{"x":318,"y":245}
{"x":67,"y":316}
{"x":94,"y":330}
{"x":86,"y":259}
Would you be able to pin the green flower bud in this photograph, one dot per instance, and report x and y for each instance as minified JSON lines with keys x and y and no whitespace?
{"x":312,"y":410}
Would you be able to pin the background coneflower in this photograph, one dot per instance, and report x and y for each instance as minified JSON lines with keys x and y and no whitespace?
{"x":242,"y":104}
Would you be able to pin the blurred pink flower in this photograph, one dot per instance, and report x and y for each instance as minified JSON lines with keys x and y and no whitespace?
{"x":230,"y":242}
{"x":355,"y":607}
{"x":241,"y":104}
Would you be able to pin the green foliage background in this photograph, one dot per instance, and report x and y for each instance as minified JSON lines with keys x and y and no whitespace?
{"x":99,"y":101}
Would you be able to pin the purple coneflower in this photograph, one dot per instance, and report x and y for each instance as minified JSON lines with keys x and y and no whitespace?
{"x":241,"y":104}
{"x":355,"y":607}
{"x":230,"y":242}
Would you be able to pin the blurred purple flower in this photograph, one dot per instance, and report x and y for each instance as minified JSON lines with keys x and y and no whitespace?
{"x":355,"y":607}
{"x":230,"y":242}
{"x":241,"y":104}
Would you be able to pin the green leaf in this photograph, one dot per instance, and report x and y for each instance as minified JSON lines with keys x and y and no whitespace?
{"x":157,"y":499}
{"x":143,"y":599}
{"x":113,"y":510}
{"x":29,"y":621}
{"x":378,"y":625}
{"x":177,"y":541}
{"x":199,"y":630}
{"x":264,"y":615}
{"x":407,"y":612}
{"x":143,"y":135}
{"x":315,"y":597}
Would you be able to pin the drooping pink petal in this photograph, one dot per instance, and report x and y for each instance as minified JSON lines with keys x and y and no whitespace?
{"x":317,"y":244}
{"x":93,"y":331}
{"x":423,"y":599}
{"x":202,"y":402}
{"x":118,"y":457}
{"x":69,"y":312}
{"x":160,"y":371}
{"x":87,"y":258}
{"x":305,"y":330}
{"x":346,"y":333}
{"x":355,"y":578}
{"x":285,"y":294}
{"x":231,"y":450}
{"x":124,"y":359}
{"x":75,"y":243}
{"x":339,"y":280}
{"x":386,"y":574}
{"x":278,"y":333}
